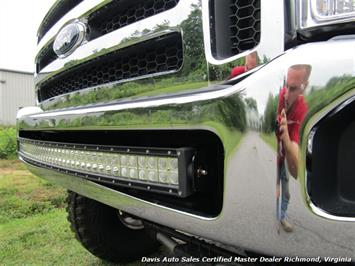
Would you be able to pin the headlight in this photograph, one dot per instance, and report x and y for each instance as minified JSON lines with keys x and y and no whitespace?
{"x":324,"y":12}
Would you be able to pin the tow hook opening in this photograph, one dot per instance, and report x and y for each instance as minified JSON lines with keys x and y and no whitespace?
{"x":129,"y":221}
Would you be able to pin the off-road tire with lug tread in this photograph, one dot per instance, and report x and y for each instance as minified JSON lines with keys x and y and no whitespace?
{"x":98,"y":228}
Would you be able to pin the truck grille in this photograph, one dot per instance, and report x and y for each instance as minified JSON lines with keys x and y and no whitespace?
{"x":115,"y":15}
{"x":245,"y":25}
{"x":45,"y":57}
{"x":122,"y":13}
{"x":154,"y":56}
{"x":55,"y":14}
{"x":235,"y":26}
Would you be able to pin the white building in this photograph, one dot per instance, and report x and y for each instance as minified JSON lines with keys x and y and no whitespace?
{"x":16,"y":91}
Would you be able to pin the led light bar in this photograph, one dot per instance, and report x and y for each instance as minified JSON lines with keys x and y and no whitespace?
{"x":160,"y":170}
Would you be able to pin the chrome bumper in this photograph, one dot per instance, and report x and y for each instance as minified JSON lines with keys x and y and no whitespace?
{"x":248,"y":217}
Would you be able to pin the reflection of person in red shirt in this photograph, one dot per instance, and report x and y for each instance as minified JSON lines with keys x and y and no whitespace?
{"x":291,"y":111}
{"x":251,"y":61}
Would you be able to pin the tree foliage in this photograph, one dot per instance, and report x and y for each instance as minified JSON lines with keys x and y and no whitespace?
{"x":251,"y":103}
{"x":233,"y":112}
{"x":270,"y":114}
{"x":194,"y":50}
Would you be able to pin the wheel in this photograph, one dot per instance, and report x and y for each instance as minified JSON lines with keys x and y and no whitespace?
{"x":106,"y":232}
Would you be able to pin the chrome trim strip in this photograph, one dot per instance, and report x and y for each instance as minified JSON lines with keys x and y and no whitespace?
{"x":326,"y":215}
{"x":80,"y":11}
{"x":146,"y":103}
{"x":28,"y":111}
{"x":47,"y":14}
{"x":59,"y":98}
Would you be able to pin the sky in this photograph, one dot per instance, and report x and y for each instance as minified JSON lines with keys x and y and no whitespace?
{"x":19,"y":21}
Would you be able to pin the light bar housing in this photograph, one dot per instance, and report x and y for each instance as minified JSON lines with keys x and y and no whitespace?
{"x":160,"y":170}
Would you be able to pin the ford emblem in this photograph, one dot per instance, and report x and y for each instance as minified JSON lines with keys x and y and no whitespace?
{"x":69,"y":38}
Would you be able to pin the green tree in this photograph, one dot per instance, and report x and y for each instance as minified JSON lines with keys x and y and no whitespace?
{"x":270,"y":114}
{"x":194,"y":49}
{"x":232,"y":112}
{"x":251,"y":103}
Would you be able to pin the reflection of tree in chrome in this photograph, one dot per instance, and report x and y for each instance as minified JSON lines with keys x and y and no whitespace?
{"x":129,"y":89}
{"x":251,"y":103}
{"x":194,"y":58}
{"x":252,"y":114}
{"x":232,"y":112}
{"x":269,"y":118}
{"x":229,"y":113}
{"x":319,"y":97}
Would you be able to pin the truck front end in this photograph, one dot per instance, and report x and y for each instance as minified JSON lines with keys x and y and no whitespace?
{"x":140,"y":113}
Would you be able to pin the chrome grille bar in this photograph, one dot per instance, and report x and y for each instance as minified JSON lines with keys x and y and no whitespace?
{"x":155,"y":56}
{"x":118,"y":14}
{"x":111,"y":17}
{"x":59,"y":9}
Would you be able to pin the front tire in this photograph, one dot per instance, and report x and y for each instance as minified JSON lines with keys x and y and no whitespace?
{"x":99,"y":229}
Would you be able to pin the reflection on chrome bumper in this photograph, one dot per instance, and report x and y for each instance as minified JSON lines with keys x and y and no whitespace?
{"x":248,"y":216}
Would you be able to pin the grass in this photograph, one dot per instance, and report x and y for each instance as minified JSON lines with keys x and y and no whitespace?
{"x":8,"y":142}
{"x":23,"y":195}
{"x":270,"y":139}
{"x":42,"y":239}
{"x":33,"y":225}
